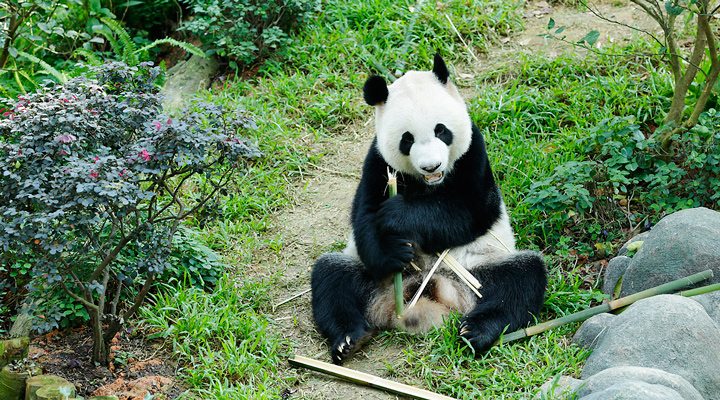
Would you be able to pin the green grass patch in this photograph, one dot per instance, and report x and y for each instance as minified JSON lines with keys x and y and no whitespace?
{"x":223,"y":339}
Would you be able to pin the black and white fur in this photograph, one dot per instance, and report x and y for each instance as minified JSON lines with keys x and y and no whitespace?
{"x":447,"y":199}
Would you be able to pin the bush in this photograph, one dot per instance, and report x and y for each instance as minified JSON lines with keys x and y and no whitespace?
{"x":246,"y":30}
{"x":626,"y":179}
{"x":93,"y":174}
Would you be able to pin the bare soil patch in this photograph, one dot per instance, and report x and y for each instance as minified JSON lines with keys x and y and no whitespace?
{"x":138,"y":367}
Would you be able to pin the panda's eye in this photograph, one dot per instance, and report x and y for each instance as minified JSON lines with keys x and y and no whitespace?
{"x":406,"y":143}
{"x":444,"y":134}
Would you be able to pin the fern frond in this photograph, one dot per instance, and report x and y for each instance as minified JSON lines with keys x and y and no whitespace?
{"x":89,"y":56}
{"x":188,"y":47}
{"x":123,"y":47}
{"x":49,"y":69}
{"x":19,"y":82}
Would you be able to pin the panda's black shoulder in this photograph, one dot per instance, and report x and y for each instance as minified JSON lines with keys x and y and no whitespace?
{"x":474,"y":165}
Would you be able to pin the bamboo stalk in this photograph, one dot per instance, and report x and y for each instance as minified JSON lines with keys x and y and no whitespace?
{"x":397,"y":279}
{"x":615,"y":304}
{"x":365,"y":379}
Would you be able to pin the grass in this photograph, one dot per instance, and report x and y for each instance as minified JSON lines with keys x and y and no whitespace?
{"x":532,"y":114}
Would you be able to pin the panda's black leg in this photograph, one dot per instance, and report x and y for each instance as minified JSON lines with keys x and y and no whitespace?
{"x":513,"y":292}
{"x":341,"y":290}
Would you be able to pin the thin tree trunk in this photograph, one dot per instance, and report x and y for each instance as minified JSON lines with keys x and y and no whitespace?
{"x":683,"y":84}
{"x":100,"y":346}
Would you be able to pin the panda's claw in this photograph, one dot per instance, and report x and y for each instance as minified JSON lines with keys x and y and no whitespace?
{"x":464,"y":329}
{"x":346,"y":345}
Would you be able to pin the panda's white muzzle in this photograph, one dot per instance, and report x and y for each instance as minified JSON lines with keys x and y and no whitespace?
{"x":430,"y":160}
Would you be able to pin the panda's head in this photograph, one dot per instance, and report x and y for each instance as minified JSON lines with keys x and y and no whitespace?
{"x":421,"y":122}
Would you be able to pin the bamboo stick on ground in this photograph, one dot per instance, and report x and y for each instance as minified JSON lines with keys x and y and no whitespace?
{"x":397,"y":279}
{"x":366,"y":379}
{"x":615,"y":304}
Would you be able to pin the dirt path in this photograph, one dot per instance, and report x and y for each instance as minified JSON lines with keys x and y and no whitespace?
{"x":319,"y":219}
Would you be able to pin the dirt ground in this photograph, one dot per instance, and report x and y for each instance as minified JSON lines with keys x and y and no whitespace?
{"x":319,"y":219}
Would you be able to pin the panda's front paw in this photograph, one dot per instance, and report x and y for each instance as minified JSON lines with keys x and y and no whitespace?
{"x":480,"y":336}
{"x":398,"y":253}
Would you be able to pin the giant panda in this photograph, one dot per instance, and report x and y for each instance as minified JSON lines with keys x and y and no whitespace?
{"x":447,"y":199}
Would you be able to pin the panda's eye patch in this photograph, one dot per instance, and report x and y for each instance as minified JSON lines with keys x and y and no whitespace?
{"x":444,"y":134}
{"x":406,"y":143}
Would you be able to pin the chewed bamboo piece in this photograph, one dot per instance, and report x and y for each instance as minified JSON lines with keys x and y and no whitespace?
{"x":464,"y":275}
{"x":425,"y":281}
{"x":397,"y":279}
{"x":366,"y":379}
{"x":618,"y":303}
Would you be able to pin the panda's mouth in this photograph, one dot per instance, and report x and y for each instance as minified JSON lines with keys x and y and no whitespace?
{"x":434,"y":179}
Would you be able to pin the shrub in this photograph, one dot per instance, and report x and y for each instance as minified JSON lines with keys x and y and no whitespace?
{"x":92,"y":173}
{"x":626,"y":179}
{"x":246,"y":30}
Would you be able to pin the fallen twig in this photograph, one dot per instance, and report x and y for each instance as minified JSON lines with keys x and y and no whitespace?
{"x":290,"y":299}
{"x":365,"y":379}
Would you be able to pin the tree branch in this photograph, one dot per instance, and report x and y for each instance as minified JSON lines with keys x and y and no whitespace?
{"x":90,"y":306}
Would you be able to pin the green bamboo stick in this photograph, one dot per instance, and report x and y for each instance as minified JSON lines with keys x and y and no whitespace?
{"x":397,"y":279}
{"x":615,"y":304}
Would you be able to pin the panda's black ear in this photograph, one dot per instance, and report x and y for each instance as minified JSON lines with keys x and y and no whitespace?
{"x":375,"y":90}
{"x":440,"y":69}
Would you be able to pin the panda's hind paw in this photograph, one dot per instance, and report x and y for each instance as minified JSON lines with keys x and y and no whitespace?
{"x":479,"y":337}
{"x":347,"y":345}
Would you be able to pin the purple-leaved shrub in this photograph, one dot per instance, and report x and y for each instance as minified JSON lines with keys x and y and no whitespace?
{"x":92,"y":169}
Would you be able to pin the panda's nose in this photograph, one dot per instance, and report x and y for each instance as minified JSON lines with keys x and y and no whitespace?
{"x":431,"y":168}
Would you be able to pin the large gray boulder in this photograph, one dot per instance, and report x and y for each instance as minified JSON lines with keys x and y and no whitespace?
{"x":711,"y":304}
{"x":681,"y":244}
{"x":668,"y":332}
{"x":634,"y":390}
{"x":592,"y":330}
{"x":637,"y":381}
{"x":185,"y":79}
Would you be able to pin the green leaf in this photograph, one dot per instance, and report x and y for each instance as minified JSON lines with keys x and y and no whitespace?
{"x":673,"y":8}
{"x":551,"y":23}
{"x":590,"y":38}
{"x":560,"y":30}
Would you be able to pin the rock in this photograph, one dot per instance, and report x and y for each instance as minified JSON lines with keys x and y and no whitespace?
{"x":13,"y":350}
{"x":185,"y":79}
{"x":681,"y":244}
{"x":591,"y":330}
{"x":559,"y":388}
{"x":641,"y":237}
{"x":12,"y":382}
{"x":667,"y":332}
{"x":615,"y":270}
{"x":711,"y":303}
{"x":22,"y":326}
{"x":611,"y":377}
{"x":33,"y":384}
{"x":56,"y":391}
{"x":634,"y":390}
